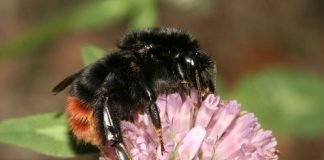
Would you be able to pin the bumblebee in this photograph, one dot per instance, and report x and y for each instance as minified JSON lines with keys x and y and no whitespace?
{"x":147,"y":63}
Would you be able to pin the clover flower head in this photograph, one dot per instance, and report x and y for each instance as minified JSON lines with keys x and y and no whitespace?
{"x":214,"y":130}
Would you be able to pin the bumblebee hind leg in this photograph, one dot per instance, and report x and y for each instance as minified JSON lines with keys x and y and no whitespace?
{"x":112,"y":132}
{"x":86,"y":126}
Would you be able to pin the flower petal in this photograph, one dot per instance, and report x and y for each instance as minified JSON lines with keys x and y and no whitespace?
{"x":194,"y":95}
{"x":174,"y":103}
{"x":206,"y":110}
{"x":242,"y":131}
{"x":208,"y":149}
{"x":219,"y":131}
{"x":191,"y":143}
{"x":183,"y":120}
{"x":161,"y":102}
{"x":224,"y":117}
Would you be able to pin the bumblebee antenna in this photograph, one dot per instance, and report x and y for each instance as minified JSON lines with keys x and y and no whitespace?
{"x":198,"y":87}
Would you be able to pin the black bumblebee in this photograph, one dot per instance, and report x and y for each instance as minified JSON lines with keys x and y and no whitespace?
{"x":148,"y":63}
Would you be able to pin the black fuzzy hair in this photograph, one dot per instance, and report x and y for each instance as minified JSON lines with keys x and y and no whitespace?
{"x":167,"y":38}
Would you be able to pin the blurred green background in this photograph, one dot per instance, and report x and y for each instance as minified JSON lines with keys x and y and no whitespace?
{"x":269,"y":56}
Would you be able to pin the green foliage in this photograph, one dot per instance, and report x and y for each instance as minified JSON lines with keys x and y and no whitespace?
{"x":287,"y":101}
{"x":139,"y":14}
{"x":91,"y":53}
{"x":146,"y":14}
{"x":34,"y":38}
{"x":100,"y":13}
{"x":47,"y":134}
{"x":191,"y":5}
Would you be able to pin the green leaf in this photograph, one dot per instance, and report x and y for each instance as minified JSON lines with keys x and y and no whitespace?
{"x":91,"y":54}
{"x":140,"y":13}
{"x":287,"y":101}
{"x":145,"y":14}
{"x":191,"y":5}
{"x":35,"y":38}
{"x":46,"y":133}
{"x":99,"y":13}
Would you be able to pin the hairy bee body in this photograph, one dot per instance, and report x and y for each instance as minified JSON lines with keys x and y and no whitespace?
{"x":148,"y":63}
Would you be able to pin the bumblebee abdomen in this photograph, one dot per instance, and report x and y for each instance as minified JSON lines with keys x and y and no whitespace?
{"x":83,"y":122}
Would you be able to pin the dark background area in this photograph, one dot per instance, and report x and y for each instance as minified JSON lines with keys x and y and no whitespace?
{"x":40,"y":45}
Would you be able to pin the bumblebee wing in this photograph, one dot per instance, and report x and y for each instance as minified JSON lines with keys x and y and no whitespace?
{"x":66,"y":82}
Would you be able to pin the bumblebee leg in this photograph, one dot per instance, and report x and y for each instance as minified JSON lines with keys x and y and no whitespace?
{"x":155,"y":115}
{"x":120,"y":150}
{"x":207,"y":83}
{"x":112,"y":133}
{"x":198,"y":87}
{"x":184,"y":83}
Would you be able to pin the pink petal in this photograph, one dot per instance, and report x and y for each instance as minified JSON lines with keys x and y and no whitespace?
{"x":219,"y":132}
{"x":183,"y":120}
{"x":224,"y":117}
{"x":194,"y":95}
{"x":242,"y":131}
{"x":161,"y":102}
{"x":174,"y":102}
{"x":191,"y":143}
{"x":262,"y":138}
{"x":206,"y":110}
{"x":208,"y":148}
{"x":179,"y":136}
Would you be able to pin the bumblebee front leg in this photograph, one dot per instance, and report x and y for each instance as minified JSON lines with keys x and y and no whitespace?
{"x":207,"y":84}
{"x":184,"y":82}
{"x":112,"y":133}
{"x":154,"y":114}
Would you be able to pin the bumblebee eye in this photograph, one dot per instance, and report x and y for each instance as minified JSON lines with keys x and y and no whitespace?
{"x":190,"y":61}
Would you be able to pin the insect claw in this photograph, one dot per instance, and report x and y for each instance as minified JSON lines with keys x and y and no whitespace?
{"x":187,"y":91}
{"x":185,"y":87}
{"x":121,"y":151}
